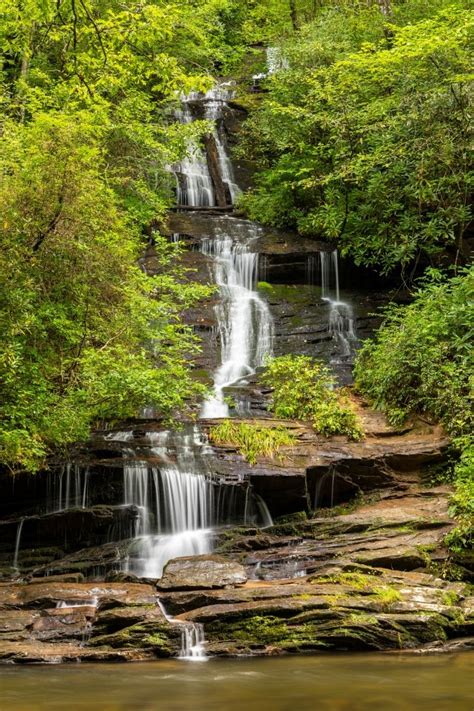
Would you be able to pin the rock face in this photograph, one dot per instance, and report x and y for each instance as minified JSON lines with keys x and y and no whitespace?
{"x":61,"y":622}
{"x":346,"y":609}
{"x":204,"y":571}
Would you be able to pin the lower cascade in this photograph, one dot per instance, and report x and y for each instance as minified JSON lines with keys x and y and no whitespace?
{"x":181,"y":503}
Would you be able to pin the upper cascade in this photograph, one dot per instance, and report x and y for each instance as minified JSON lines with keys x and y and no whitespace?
{"x":205,"y":177}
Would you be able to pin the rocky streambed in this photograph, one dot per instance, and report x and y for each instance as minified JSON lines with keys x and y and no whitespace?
{"x":373,"y":574}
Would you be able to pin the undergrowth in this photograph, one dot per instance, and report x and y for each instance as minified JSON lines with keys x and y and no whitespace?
{"x":251,"y":439}
{"x":304,"y":389}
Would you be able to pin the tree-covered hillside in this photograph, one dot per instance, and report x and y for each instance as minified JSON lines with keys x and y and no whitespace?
{"x":87,"y":92}
{"x":364,"y":138}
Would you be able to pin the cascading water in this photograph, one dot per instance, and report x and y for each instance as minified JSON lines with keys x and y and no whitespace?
{"x":194,"y":183}
{"x":69,"y":490}
{"x":195,"y":186}
{"x":17,"y":543}
{"x":244,"y":319}
{"x":341,"y":316}
{"x":180,"y":502}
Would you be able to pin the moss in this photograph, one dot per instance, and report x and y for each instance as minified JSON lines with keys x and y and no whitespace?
{"x":386,"y":595}
{"x":358,"y":581}
{"x":148,"y":635}
{"x":298,"y":517}
{"x":299,"y":294}
{"x":450,"y":597}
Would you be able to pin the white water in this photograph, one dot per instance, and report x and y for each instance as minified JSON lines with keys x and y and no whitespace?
{"x":180,"y":502}
{"x":17,"y":543}
{"x":244,"y":319}
{"x":192,"y":637}
{"x":69,"y":489}
{"x":192,"y":642}
{"x":216,"y":100}
{"x":341,"y":322}
{"x":91,"y":602}
{"x":195,"y":187}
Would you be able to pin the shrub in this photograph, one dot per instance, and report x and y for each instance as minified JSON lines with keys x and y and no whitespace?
{"x":421,"y":362}
{"x":303,"y":389}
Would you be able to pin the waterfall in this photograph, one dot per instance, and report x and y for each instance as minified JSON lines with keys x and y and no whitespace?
{"x":17,"y":543}
{"x":275,"y":60}
{"x":216,"y":100}
{"x":68,"y":489}
{"x":244,"y":319}
{"x":195,"y":185}
{"x":192,"y":642}
{"x":341,"y":322}
{"x":192,"y":637}
{"x":180,"y":501}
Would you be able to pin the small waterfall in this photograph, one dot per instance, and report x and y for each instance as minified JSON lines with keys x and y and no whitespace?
{"x":17,"y":543}
{"x":216,"y":100}
{"x":276,"y":61}
{"x":194,"y":183}
{"x":180,"y":501}
{"x":192,"y":642}
{"x":90,"y":602}
{"x":192,"y":637}
{"x":341,"y":322}
{"x":244,"y":318}
{"x":68,"y":489}
{"x":320,"y":485}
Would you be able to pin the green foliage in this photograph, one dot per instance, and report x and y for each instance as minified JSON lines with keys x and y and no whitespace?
{"x":364,"y":139}
{"x":303,"y":389}
{"x":86,"y":94}
{"x":420,"y":360}
{"x":462,"y":502}
{"x":251,"y":439}
{"x":85,"y":333}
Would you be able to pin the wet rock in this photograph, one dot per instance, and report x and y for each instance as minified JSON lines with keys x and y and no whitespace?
{"x":74,"y":528}
{"x":397,"y":558}
{"x":36,"y":652}
{"x":205,"y":571}
{"x":94,"y":563}
{"x":43,"y":595}
{"x":345,"y":611}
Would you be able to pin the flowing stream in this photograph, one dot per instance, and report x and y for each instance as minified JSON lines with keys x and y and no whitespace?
{"x":337,"y":682}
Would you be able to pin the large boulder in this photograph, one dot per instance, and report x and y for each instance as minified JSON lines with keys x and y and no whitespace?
{"x":204,"y":571}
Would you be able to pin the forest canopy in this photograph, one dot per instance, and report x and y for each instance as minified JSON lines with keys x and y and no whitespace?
{"x":364,"y":138}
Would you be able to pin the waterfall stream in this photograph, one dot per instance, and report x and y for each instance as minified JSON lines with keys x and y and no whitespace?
{"x":244,"y":320}
{"x":181,"y":502}
{"x":341,"y":321}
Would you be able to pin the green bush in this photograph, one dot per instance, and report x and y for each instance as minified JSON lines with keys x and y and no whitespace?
{"x":462,"y":502}
{"x":303,"y":389}
{"x":421,"y":359}
{"x":421,"y":362}
{"x":252,"y":440}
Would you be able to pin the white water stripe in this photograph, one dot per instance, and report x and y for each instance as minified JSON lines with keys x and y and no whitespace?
{"x":244,"y":319}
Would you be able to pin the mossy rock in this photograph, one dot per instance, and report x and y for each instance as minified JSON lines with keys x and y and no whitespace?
{"x":162,"y":638}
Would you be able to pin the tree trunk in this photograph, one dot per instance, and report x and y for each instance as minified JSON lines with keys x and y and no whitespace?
{"x":293,"y":14}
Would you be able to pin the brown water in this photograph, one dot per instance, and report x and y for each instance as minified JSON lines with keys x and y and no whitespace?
{"x":323,"y":683}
